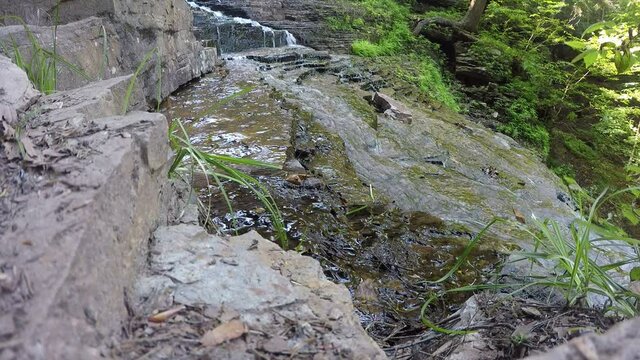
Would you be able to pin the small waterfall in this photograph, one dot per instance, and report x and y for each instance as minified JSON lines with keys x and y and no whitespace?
{"x":291,"y":40}
{"x":234,"y":34}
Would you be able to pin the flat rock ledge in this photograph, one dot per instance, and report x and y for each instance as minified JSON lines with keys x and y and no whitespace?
{"x":622,"y":342}
{"x":75,"y":215}
{"x":286,"y":305}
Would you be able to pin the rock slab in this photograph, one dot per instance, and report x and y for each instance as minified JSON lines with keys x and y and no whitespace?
{"x":106,"y":39}
{"x":72,"y":232}
{"x":252,"y":280}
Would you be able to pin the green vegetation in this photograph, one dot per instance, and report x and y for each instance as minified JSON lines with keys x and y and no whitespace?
{"x":39,"y":63}
{"x":562,"y":76}
{"x":383,"y":28}
{"x":219,"y":168}
{"x":583,"y":261}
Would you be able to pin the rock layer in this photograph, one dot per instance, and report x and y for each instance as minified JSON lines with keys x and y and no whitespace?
{"x":106,"y":39}
{"x":305,"y":19}
{"x":72,"y":234}
{"x":250,"y":279}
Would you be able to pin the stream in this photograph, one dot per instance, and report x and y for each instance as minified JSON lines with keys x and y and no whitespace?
{"x":385,"y":205}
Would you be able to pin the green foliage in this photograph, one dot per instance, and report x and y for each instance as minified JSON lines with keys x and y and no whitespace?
{"x":430,"y":81}
{"x":574,"y":261}
{"x":385,"y":32}
{"x":384,"y":38}
{"x":134,"y":78}
{"x":577,"y":146}
{"x":345,"y":23}
{"x":613,"y":40}
{"x":220,"y":168}
{"x":39,"y":64}
{"x":523,"y":126}
{"x":495,"y":55}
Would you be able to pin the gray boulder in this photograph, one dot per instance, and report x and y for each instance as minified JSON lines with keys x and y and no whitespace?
{"x":16,"y":91}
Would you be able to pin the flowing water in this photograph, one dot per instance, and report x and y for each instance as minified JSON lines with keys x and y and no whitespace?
{"x":385,"y":205}
{"x":383,"y":254}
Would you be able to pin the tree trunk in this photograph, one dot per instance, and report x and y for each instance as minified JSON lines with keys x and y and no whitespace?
{"x":472,"y":18}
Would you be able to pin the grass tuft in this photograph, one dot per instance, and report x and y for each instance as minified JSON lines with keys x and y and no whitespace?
{"x":219,"y":168}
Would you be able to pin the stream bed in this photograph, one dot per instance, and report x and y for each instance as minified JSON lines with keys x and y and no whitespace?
{"x":385,"y":255}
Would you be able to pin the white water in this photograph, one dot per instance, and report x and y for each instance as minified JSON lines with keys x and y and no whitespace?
{"x":290,"y":39}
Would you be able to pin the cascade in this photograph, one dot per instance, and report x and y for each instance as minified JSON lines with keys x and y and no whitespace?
{"x":234,"y":34}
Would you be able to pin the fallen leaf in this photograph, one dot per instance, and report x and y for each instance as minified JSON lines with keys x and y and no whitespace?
{"x":166,"y":315}
{"x":531,"y":311}
{"x":8,"y":132}
{"x":519,"y":216}
{"x":225,"y":332}
{"x":366,"y":291}
{"x":296,"y":179}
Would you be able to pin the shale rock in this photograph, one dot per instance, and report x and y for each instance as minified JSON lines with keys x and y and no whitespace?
{"x":72,"y":234}
{"x":16,"y":91}
{"x":305,"y":19}
{"x":251,"y":280}
{"x":106,"y":39}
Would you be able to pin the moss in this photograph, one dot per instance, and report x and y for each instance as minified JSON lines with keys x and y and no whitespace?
{"x":533,"y":135}
{"x":577,"y":147}
{"x":362,"y":107}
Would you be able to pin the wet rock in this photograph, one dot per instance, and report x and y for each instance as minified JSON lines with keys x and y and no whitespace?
{"x":293,"y":165}
{"x":306,"y":19}
{"x":231,"y":35}
{"x":473,"y":75}
{"x":16,"y":91}
{"x":392,"y":108}
{"x":312,"y":183}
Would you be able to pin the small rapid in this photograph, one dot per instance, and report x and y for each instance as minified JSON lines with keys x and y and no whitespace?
{"x":232,"y":34}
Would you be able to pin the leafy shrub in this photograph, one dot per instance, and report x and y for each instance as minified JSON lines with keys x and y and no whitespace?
{"x":577,"y":146}
{"x":523,"y":125}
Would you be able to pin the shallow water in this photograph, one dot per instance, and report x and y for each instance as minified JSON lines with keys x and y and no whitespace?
{"x":382,"y":254}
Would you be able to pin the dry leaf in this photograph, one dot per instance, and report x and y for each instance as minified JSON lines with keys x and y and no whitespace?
{"x":296,"y":179}
{"x":227,"y":331}
{"x":519,"y":216}
{"x":7,"y":131}
{"x":366,"y":291}
{"x":29,"y":148}
{"x":166,"y":315}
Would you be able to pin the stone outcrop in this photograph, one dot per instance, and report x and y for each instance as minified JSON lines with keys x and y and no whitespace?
{"x":72,"y":233}
{"x":620,"y":343}
{"x":248,"y":279}
{"x":16,"y":91}
{"x":231,"y":35}
{"x":106,"y":39}
{"x":305,"y":19}
{"x":392,"y":108}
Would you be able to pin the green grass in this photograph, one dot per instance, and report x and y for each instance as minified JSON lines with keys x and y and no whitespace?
{"x":134,"y":78}
{"x":220,"y":168}
{"x":40,"y":64}
{"x":577,"y":260}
